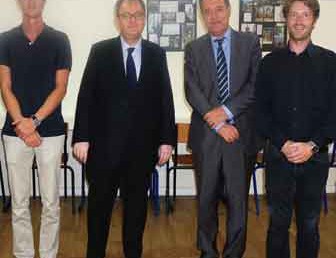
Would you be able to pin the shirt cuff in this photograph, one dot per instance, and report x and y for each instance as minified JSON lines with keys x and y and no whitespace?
{"x":219,"y":126}
{"x":230,"y":119}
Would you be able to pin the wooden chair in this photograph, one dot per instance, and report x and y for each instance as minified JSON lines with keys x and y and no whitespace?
{"x":178,"y":161}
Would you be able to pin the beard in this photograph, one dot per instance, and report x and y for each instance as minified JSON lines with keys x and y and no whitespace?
{"x":300,"y":36}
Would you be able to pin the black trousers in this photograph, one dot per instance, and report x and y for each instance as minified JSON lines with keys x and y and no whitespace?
{"x":292,"y":186}
{"x":132,"y":177}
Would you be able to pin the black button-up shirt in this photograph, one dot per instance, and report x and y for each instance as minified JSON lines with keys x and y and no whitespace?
{"x":296,"y":96}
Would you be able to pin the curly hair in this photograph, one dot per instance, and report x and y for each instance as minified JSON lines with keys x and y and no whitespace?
{"x":313,"y":5}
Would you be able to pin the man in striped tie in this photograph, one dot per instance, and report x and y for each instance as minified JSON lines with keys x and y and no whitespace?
{"x":220,"y":70}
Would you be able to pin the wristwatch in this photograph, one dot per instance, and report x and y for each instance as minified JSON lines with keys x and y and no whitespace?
{"x":36,"y":121}
{"x":314,"y":147}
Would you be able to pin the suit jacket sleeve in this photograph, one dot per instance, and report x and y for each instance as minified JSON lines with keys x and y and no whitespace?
{"x":167,"y":128}
{"x":327,"y":130}
{"x":246,"y":96}
{"x":194,"y":94}
{"x":84,"y":100}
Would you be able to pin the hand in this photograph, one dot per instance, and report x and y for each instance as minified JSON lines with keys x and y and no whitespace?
{"x":24,"y":127}
{"x":229,"y":133}
{"x":80,"y":150}
{"x":165,"y":151}
{"x":33,"y":140}
{"x":215,"y":116}
{"x":286,"y":148}
{"x":300,"y":152}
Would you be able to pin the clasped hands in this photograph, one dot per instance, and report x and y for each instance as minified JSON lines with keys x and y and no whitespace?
{"x":297,"y":152}
{"x":216,"y":119}
{"x":26,"y":130}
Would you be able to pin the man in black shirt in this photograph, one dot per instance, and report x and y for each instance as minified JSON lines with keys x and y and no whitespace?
{"x":296,"y":91}
{"x":35,"y":61}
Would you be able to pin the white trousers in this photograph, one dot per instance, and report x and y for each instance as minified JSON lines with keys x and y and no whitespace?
{"x":19,"y":161}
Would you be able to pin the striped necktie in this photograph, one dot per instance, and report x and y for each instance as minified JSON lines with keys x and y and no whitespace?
{"x":130,"y":69}
{"x":222,"y":74}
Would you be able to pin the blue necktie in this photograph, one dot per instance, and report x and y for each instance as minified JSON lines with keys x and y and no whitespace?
{"x":222,"y":74}
{"x":130,"y":69}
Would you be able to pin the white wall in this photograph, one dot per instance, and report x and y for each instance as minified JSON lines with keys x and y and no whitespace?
{"x":88,"y":21}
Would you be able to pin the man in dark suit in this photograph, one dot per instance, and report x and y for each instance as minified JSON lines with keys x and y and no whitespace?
{"x":124,"y":126}
{"x":220,"y":70}
{"x":296,"y":113}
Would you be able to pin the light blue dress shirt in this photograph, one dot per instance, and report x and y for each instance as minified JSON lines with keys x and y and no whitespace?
{"x":136,"y":54}
{"x":226,"y":45}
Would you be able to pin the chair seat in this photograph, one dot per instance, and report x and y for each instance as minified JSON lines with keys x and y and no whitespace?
{"x":183,"y":159}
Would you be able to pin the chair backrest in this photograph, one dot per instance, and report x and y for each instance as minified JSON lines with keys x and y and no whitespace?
{"x":332,"y":155}
{"x":182,"y":132}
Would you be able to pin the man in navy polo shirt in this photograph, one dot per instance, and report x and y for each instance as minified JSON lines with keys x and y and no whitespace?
{"x":35,"y":61}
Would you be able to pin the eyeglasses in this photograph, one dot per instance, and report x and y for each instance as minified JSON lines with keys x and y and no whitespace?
{"x":217,"y":12}
{"x":303,"y":16}
{"x":128,"y":16}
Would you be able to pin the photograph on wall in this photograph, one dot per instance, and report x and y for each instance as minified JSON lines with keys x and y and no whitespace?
{"x":265,"y":18}
{"x":171,"y":23}
{"x":268,"y":35}
{"x":248,"y":27}
{"x":279,"y":35}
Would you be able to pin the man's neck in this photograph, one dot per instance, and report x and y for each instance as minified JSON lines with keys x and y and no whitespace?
{"x":298,"y":46}
{"x":32,"y":27}
{"x":130,"y":43}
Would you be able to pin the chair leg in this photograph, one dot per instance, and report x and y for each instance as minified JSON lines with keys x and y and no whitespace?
{"x":6,"y":201}
{"x":255,"y":192}
{"x":34,"y":182}
{"x":325,"y":201}
{"x":174,"y":187}
{"x":168,"y":201}
{"x":82,"y":201}
{"x":155,"y":192}
{"x":73,"y":197}
{"x":67,"y":168}
{"x":65,"y":182}
{"x":2,"y":188}
{"x":151,"y":188}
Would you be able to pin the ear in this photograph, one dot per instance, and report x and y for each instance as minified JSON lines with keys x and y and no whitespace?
{"x":116,"y":22}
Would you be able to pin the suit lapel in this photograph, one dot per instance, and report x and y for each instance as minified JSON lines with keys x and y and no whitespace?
{"x":143,"y":65}
{"x":210,"y":66}
{"x":119,"y":58}
{"x":210,"y":61}
{"x":234,"y":61}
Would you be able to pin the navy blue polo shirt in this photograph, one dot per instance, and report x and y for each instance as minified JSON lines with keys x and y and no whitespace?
{"x":33,"y":69}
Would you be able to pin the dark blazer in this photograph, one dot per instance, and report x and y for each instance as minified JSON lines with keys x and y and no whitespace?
{"x":119,"y":121}
{"x":200,"y":84}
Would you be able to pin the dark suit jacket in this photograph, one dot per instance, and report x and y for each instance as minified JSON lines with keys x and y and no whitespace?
{"x":201,"y":88}
{"x":119,"y":121}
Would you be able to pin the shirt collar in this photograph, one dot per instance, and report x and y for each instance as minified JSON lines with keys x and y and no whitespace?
{"x":226,"y":36}
{"x":310,"y":49}
{"x":125,"y":46}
